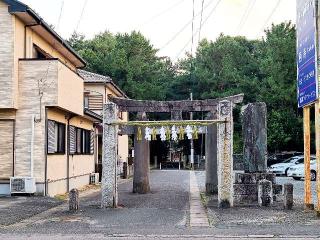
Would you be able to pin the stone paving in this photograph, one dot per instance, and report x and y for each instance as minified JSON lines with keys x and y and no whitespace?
{"x":198,"y":215}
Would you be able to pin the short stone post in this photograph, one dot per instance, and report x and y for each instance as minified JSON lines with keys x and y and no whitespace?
{"x":141,"y":161}
{"x":125,"y":170}
{"x":225,"y":155}
{"x":254,"y":129}
{"x":109,"y":188}
{"x":211,"y":157}
{"x":74,"y":200}
{"x":265,"y":193}
{"x":288,"y":196}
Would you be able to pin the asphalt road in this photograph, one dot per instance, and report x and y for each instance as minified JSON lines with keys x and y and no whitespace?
{"x":164,"y":214}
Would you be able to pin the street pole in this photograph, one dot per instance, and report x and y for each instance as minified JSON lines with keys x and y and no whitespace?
{"x":191,"y":140}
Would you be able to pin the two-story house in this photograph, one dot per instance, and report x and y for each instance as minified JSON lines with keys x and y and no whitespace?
{"x":46,"y":135}
{"x":97,"y":90}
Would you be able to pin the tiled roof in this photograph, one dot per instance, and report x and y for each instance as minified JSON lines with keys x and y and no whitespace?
{"x":90,"y":77}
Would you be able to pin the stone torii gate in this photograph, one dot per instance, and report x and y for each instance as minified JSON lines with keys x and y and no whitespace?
{"x":219,"y":143}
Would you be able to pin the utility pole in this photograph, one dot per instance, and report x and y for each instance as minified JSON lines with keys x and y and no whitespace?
{"x":191,"y":140}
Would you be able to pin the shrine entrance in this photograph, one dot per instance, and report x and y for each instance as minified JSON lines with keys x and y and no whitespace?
{"x":218,"y":149}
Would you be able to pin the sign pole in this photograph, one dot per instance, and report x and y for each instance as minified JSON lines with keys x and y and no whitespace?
{"x":306,"y":133}
{"x":317,"y":127}
{"x":317,"y":118}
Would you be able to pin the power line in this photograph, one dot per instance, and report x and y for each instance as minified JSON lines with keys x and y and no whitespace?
{"x":270,"y":16}
{"x":81,"y":15}
{"x":173,"y":6}
{"x":192,"y":27}
{"x":60,"y":15}
{"x":245,"y":15}
{"x":184,"y":27}
{"x":200,"y":21}
{"x":198,"y":30}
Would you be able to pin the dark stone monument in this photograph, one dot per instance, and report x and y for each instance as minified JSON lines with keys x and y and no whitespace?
{"x":254,"y":128}
{"x":288,"y":196}
{"x":74,"y":200}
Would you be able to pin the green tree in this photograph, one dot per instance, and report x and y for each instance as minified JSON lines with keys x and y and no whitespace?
{"x":130,"y":60}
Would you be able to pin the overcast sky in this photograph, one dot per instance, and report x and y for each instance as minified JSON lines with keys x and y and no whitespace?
{"x":161,"y":20}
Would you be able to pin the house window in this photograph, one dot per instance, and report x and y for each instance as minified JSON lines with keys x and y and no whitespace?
{"x":56,"y":137}
{"x":81,"y":141}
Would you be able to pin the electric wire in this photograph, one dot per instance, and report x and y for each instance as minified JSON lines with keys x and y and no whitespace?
{"x":183,"y":28}
{"x":198,"y":30}
{"x":192,"y":27}
{"x":173,"y":6}
{"x":81,"y":15}
{"x":245,"y":16}
{"x":270,"y":15}
{"x":199,"y":37}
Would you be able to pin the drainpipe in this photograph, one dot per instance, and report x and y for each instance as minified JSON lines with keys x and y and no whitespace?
{"x":45,"y":193}
{"x":32,"y":145}
{"x":68,"y":155}
{"x":25,"y":37}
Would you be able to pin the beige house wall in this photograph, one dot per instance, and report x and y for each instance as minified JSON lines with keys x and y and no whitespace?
{"x":6,"y":58}
{"x":30,"y":74}
{"x":123,"y":141}
{"x":70,"y":90}
{"x":27,"y":88}
{"x":80,"y":166}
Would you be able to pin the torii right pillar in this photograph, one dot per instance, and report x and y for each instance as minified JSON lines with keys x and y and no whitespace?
{"x":225,"y":155}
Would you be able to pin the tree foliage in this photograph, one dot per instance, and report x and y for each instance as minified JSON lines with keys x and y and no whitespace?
{"x":264,"y":70}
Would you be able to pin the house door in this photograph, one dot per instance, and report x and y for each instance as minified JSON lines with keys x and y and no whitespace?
{"x":6,"y":148}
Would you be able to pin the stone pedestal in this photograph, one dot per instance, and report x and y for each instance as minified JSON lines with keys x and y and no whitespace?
{"x":141,"y":161}
{"x":265,"y":193}
{"x":211,"y":158}
{"x":254,"y":130}
{"x":225,"y":155}
{"x":288,"y":196}
{"x":109,"y":188}
{"x":246,"y":187}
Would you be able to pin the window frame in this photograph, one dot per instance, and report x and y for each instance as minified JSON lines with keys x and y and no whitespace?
{"x":83,"y":141}
{"x":59,"y":138}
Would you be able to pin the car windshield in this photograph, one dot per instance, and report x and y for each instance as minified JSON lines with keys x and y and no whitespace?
{"x":291,"y":160}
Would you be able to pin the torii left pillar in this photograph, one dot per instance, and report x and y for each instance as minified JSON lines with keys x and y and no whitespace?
{"x":109,"y":190}
{"x":141,"y":165}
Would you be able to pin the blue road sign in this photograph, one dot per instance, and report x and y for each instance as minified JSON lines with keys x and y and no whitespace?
{"x":307,"y":85}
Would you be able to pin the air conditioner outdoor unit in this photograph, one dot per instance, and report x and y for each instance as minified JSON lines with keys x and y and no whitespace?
{"x":22,"y":185}
{"x":94,"y":178}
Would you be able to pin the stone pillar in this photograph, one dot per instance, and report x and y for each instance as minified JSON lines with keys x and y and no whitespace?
{"x":74,"y":200}
{"x":141,"y":161}
{"x":125,"y":170}
{"x":211,"y":157}
{"x":109,"y":157}
{"x":225,"y":155}
{"x":288,"y":196}
{"x":265,"y":193}
{"x":254,"y":130}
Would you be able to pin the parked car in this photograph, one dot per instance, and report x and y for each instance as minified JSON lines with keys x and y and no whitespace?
{"x":281,"y":157}
{"x":283,"y":167}
{"x":297,"y":171}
